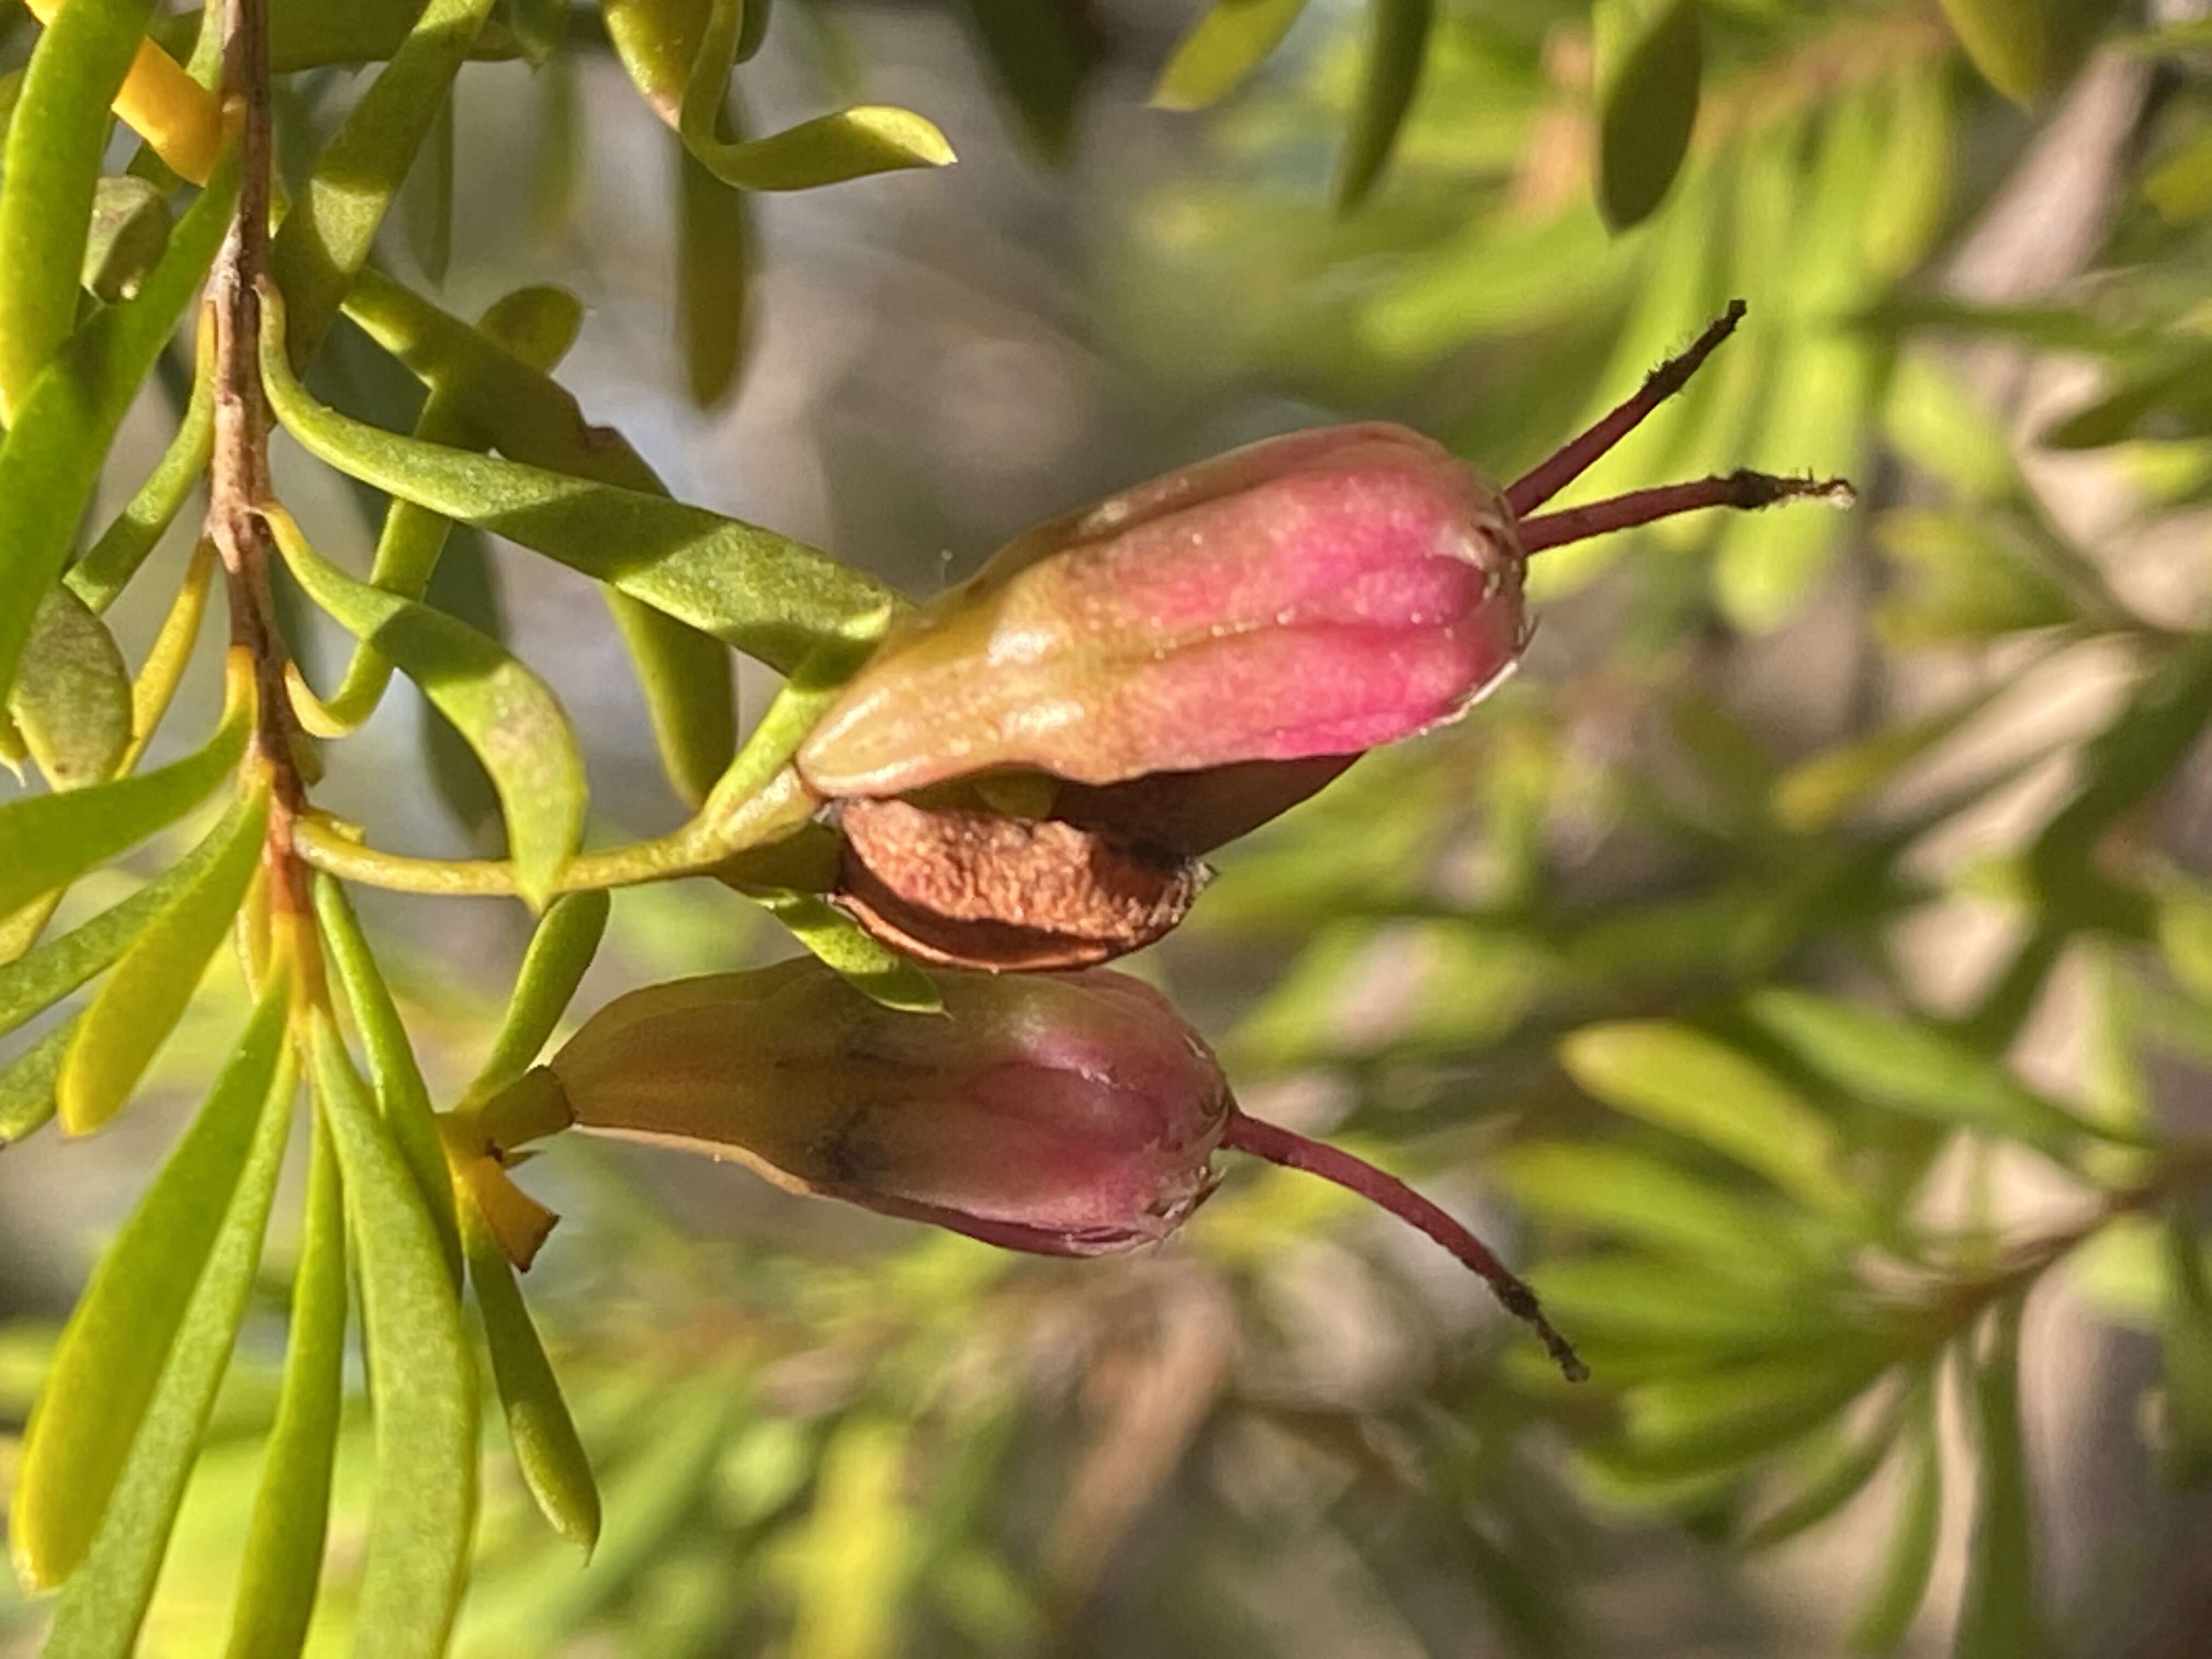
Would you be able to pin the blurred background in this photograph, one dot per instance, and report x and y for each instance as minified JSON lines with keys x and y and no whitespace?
{"x":1802,"y":969}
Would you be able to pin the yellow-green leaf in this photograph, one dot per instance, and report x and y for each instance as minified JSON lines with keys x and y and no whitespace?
{"x":284,"y":1549}
{"x":1651,"y":55}
{"x":140,"y":1001}
{"x":111,"y":1355}
{"x":1226,"y":44}
{"x":547,"y":1449}
{"x":27,"y":1084}
{"x":1397,"y":44}
{"x":71,"y":700}
{"x":2180,"y":187}
{"x":1685,"y":1081}
{"x":509,"y":716}
{"x":714,"y":279}
{"x":47,"y":181}
{"x":105,"y":1599}
{"x":764,"y":593}
{"x":1998,"y":1614}
{"x":560,"y":950}
{"x":1910,"y":1559}
{"x":129,"y":227}
{"x":2007,"y":41}
{"x":422,"y":1511}
{"x":50,"y":840}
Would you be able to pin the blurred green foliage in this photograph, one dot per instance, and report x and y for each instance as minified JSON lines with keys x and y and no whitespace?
{"x":1680,"y":979}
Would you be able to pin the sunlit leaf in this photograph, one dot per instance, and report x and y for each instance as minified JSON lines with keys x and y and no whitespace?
{"x":110,"y":562}
{"x":1910,"y":1559}
{"x":27,"y":1084}
{"x":402,"y":1097}
{"x":560,"y":950}
{"x":546,"y":1448}
{"x":105,"y":1600}
{"x":1397,"y":46}
{"x":764,"y":593}
{"x":48,"y":179}
{"x":1997,"y":1616}
{"x":509,"y":716}
{"x":140,"y":1002}
{"x":284,"y":1557}
{"x":849,"y":1567}
{"x":110,"y":1356}
{"x":1911,"y":1065}
{"x":853,"y":143}
{"x":327,"y":236}
{"x":71,"y":700}
{"x":1649,"y":55}
{"x":423,"y":1510}
{"x":1223,"y":47}
{"x":1683,"y":1080}
{"x":874,"y":969}
{"x":50,"y":840}
{"x":66,"y":418}
{"x":1942,"y":430}
{"x":714,"y":279}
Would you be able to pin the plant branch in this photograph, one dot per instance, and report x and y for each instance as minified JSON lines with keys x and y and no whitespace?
{"x":237,"y":469}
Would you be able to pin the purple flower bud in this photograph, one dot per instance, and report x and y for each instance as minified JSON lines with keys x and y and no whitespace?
{"x":1062,"y":1114}
{"x":1070,"y":1115}
{"x":1312,"y":595}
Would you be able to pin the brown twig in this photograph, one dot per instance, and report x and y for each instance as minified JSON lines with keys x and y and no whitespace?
{"x":1747,"y":491}
{"x":1571,"y":459}
{"x":238,"y":468}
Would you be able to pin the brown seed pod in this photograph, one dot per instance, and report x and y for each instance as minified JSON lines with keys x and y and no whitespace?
{"x":974,"y":890}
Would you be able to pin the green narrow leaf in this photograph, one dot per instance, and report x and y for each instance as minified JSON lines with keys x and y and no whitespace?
{"x":2185,"y":1321}
{"x":509,"y":716}
{"x":1682,"y":1080}
{"x":1815,"y":795}
{"x":111,"y":561}
{"x":466,"y":588}
{"x":540,"y":26}
{"x":1838,"y":1477}
{"x":129,"y":227}
{"x":1726,"y":1416}
{"x":1227,"y":44}
{"x":422,"y":1514}
{"x":52,"y":456}
{"x":112,"y":1353}
{"x":27,"y":1084}
{"x":714,"y":279}
{"x":1649,"y":57}
{"x":2166,"y":397}
{"x":769,"y":595}
{"x":48,"y":179}
{"x":547,"y":1450}
{"x":2180,"y":187}
{"x":140,"y":1002}
{"x":327,"y":236}
{"x":1997,"y":1616}
{"x":874,"y":969}
{"x":105,"y":1599}
{"x":426,"y":200}
{"x":1647,"y":1200}
{"x":402,"y":1097}
{"x":868,"y":138}
{"x":48,"y":841}
{"x":284,"y":1557}
{"x":495,"y":375}
{"x":58,"y":967}
{"x":1911,"y":1065}
{"x":1910,"y":1559}
{"x":1040,"y":54}
{"x":2006,"y":40}
{"x":71,"y":700}
{"x":560,"y":950}
{"x":1397,"y":46}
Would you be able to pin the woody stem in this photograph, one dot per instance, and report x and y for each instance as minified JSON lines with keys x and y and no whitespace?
{"x":1296,"y":1152}
{"x":1739,"y":490}
{"x":1533,"y":489}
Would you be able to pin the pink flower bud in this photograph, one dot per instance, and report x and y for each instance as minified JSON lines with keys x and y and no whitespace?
{"x":1314,"y":594}
{"x":1063,"y":1114}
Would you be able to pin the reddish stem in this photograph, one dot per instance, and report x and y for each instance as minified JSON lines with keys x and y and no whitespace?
{"x":1296,"y":1152}
{"x":1533,"y":489}
{"x":1742,"y":489}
